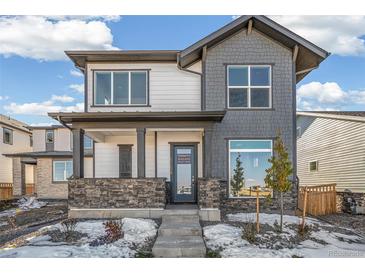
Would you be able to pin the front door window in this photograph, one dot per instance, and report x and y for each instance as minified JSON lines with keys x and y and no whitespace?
{"x":184,"y":173}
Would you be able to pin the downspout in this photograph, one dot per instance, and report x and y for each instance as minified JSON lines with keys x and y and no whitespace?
{"x":184,"y":69}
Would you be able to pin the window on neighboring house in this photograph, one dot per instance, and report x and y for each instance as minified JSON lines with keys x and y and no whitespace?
{"x":49,"y":136}
{"x":88,"y":142}
{"x":62,"y":170}
{"x":299,"y":132}
{"x":254,"y":156}
{"x":120,"y":87}
{"x":249,"y":86}
{"x":31,"y":140}
{"x":7,"y":136}
{"x":313,"y":166}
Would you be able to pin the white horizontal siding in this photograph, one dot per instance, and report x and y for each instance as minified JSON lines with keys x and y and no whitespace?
{"x":39,"y":140}
{"x":107,"y":155}
{"x":21,"y":143}
{"x":339,"y":148}
{"x":62,"y":139}
{"x":170,"y":89}
{"x":88,"y":167}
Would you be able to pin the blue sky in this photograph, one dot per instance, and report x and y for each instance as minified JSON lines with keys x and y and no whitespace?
{"x":35,"y":76}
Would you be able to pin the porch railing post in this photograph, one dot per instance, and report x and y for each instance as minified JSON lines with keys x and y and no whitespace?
{"x":141,"y":153}
{"x":78,"y":152}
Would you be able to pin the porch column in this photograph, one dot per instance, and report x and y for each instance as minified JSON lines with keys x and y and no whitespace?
{"x":207,"y":170}
{"x":78,"y":152}
{"x":141,"y":154}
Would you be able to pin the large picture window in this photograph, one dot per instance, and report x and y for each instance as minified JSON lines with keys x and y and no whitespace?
{"x":120,"y":87}
{"x":252,"y":156}
{"x":249,"y":86}
{"x":62,"y":170}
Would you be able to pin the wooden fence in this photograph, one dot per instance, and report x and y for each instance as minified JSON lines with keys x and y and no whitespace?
{"x":6,"y":190}
{"x":321,"y":199}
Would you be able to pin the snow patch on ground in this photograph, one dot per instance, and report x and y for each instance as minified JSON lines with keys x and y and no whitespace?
{"x":24,"y":204}
{"x":269,"y":218}
{"x":136,"y":233}
{"x":227,"y":240}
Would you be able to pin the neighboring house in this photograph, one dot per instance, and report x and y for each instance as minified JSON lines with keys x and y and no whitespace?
{"x":14,"y":137}
{"x":168,"y":125}
{"x":51,"y":162}
{"x":331,"y":149}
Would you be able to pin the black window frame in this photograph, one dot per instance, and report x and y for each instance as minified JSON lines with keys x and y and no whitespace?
{"x":316,"y":166}
{"x":249,"y":86}
{"x":129,"y":71}
{"x":11,"y":135}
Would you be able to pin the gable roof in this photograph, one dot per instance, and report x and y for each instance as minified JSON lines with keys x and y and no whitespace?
{"x":356,"y":116}
{"x":309,"y":55}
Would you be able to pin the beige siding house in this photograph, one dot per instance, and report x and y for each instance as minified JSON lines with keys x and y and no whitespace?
{"x":49,"y":162}
{"x":14,"y":137}
{"x":331,"y":149}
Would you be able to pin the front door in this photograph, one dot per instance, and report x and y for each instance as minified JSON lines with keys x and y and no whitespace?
{"x":183,"y":173}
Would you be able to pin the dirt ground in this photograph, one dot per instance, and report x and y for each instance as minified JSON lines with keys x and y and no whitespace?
{"x":23,"y":222}
{"x":355,"y":222}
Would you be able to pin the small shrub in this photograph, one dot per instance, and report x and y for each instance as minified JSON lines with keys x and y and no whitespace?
{"x":249,"y":232}
{"x":304,"y":232}
{"x":69,"y":226}
{"x":67,"y":232}
{"x":213,"y":254}
{"x":277,"y":227}
{"x":113,"y":230}
{"x":144,"y":254}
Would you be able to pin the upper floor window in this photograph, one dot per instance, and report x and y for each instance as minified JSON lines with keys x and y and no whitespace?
{"x":88,"y":142}
{"x":120,"y":87}
{"x":31,"y":140}
{"x":49,"y":136}
{"x":7,"y":136}
{"x":249,"y":86}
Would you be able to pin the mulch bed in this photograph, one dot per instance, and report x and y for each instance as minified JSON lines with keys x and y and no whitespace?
{"x":354,"y":222}
{"x":25,"y":222}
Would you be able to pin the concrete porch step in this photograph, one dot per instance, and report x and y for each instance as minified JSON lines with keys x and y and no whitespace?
{"x":179,"y":246}
{"x":181,"y":212}
{"x":181,"y":218}
{"x":169,"y":228}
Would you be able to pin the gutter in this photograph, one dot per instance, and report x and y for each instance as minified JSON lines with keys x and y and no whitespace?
{"x":184,"y":69}
{"x":63,"y":123}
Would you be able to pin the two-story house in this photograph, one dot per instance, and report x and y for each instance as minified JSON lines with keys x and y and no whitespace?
{"x":168,"y":125}
{"x":15,"y":136}
{"x":50,"y":162}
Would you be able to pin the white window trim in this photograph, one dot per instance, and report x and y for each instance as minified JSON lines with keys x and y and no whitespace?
{"x":248,"y":87}
{"x":112,"y":87}
{"x":64,"y":171}
{"x":243,"y":150}
{"x":309,"y":166}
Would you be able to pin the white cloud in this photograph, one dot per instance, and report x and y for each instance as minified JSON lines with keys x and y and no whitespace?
{"x":41,"y":124}
{"x":77,"y":87}
{"x":328,"y":96}
{"x":62,"y":98}
{"x":76,"y":73}
{"x":46,"y":38}
{"x":42,"y":108}
{"x":340,"y":35}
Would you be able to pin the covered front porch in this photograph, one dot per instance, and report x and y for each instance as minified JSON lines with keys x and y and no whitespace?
{"x":141,"y":165}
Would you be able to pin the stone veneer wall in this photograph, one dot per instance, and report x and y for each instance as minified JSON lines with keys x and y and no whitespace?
{"x":17,"y":177}
{"x":213,"y":193}
{"x":117,"y":193}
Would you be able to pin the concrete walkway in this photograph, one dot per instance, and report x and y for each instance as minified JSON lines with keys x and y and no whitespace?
{"x":180,"y":235}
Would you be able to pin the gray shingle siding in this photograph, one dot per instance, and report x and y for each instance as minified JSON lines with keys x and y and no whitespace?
{"x":249,"y":49}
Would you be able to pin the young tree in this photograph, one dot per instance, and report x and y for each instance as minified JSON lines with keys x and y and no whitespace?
{"x":238,"y":179}
{"x":277,"y":176}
